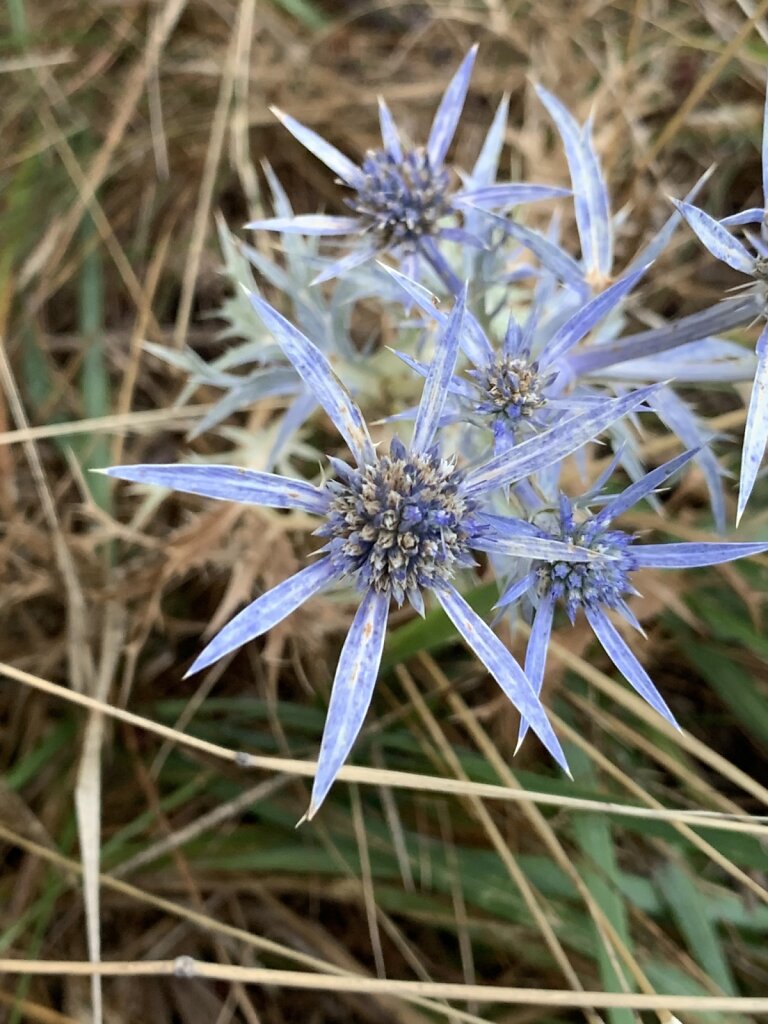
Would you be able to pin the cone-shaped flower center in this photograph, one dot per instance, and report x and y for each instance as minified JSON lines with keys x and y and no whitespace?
{"x":401,"y":200}
{"x":399,"y":524}
{"x":603,"y":582}
{"x":510,"y":387}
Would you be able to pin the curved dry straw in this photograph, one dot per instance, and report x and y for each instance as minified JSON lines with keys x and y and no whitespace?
{"x":398,"y":780}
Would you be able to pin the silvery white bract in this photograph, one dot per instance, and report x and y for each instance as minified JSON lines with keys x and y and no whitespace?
{"x":256,"y":369}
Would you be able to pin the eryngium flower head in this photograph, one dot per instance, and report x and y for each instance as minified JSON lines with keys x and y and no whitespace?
{"x":403,"y":200}
{"x":399,"y":525}
{"x":396,"y":524}
{"x":402,"y":194}
{"x":510,"y":388}
{"x":507,"y":389}
{"x":604,"y":582}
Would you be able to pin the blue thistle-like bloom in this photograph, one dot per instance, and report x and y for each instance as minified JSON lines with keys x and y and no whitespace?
{"x":510,"y":390}
{"x":604,"y":582}
{"x":553,"y":357}
{"x":396,"y":525}
{"x":401,"y":524}
{"x":403,"y":194}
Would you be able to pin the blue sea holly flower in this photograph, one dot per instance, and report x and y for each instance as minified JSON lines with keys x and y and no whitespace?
{"x":724,"y":247}
{"x":402,"y":195}
{"x":543,"y":369}
{"x":396,"y":524}
{"x":511,"y":389}
{"x":602,"y":584}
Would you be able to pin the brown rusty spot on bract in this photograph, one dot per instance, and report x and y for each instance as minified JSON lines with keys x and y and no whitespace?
{"x":598,"y":280}
{"x":367,"y":631}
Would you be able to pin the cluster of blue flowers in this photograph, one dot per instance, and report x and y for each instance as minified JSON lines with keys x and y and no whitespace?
{"x":524,"y":363}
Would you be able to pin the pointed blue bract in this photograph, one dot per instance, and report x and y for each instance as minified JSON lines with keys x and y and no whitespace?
{"x":353,"y":686}
{"x":722,"y":317}
{"x":448,"y":113}
{"x":323,"y":150}
{"x":571,"y":136}
{"x":510,"y":194}
{"x":536,"y":651}
{"x":526,"y":546}
{"x":756,"y":431}
{"x":266,"y":612}
{"x":436,"y":385}
{"x":542,"y":450}
{"x":625,"y":661}
{"x":229,"y":483}
{"x":642,"y":488}
{"x":693,"y":555}
{"x":389,"y":133}
{"x":716,"y":238}
{"x":581,"y":323}
{"x":315,"y":370}
{"x":753,"y":216}
{"x":503,"y":667}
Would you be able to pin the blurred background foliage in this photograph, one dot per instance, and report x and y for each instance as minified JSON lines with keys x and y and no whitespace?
{"x":126,"y":127}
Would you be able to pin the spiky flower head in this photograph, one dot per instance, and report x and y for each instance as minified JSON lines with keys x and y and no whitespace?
{"x":400,"y":524}
{"x":404,"y":198}
{"x":506,"y":389}
{"x":401,"y":200}
{"x":603,"y":581}
{"x":510,"y":388}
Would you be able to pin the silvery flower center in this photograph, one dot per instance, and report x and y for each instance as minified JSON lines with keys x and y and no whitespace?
{"x":400,"y":524}
{"x":603,"y":582}
{"x":510,"y":387}
{"x":401,"y":199}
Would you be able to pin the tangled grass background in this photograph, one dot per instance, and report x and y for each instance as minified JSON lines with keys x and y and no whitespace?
{"x":126,"y":129}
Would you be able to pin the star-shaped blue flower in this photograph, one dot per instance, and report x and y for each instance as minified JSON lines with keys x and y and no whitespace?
{"x":401,"y":195}
{"x":396,"y":524}
{"x":602,"y":584}
{"x":511,"y":390}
